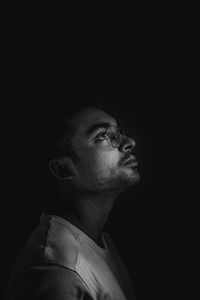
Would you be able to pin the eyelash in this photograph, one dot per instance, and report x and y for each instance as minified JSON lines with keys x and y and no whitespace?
{"x":100,"y":135}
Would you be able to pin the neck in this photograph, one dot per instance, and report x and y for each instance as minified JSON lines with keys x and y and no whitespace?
{"x":89,"y":213}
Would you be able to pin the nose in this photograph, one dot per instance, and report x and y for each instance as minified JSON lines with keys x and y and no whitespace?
{"x":127,"y":144}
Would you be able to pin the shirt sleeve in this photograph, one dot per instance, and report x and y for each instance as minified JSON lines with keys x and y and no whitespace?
{"x":49,"y":282}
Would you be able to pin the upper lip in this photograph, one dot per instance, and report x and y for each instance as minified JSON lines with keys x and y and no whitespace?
{"x":130,"y":160}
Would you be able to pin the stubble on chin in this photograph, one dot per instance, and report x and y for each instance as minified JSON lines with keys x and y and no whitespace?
{"x":130,"y":177}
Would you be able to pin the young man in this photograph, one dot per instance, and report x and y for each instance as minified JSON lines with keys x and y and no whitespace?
{"x":68,"y":256}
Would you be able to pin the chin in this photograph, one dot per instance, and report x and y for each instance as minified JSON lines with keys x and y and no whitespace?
{"x":132,"y":177}
{"x":136,"y":178}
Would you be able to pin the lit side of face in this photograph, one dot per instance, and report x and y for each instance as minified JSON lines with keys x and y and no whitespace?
{"x":101,"y":166}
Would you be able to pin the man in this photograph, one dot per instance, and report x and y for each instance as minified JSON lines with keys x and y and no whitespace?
{"x":68,"y":255}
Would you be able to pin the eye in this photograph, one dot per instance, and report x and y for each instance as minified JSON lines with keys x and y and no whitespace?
{"x":101,"y":136}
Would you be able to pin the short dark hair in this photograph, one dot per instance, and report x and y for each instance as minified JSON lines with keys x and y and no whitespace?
{"x":61,"y":135}
{"x":61,"y":129}
{"x":61,"y":132}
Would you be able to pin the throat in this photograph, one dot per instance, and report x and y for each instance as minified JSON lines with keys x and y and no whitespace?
{"x":90,"y":216}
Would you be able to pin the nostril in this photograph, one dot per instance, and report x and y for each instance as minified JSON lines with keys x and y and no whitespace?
{"x":128,"y":145}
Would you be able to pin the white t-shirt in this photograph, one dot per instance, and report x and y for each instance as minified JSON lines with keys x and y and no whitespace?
{"x":100,"y":270}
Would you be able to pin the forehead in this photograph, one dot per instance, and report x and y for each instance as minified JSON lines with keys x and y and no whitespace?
{"x":89,"y":117}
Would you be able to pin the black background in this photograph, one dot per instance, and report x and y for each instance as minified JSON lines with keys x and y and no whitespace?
{"x":47,"y":72}
{"x":147,"y":59}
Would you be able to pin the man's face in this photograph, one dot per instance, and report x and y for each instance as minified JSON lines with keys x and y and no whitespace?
{"x":102,"y":167}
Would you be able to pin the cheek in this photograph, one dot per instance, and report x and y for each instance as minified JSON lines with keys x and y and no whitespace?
{"x":106,"y":160}
{"x":100,"y":160}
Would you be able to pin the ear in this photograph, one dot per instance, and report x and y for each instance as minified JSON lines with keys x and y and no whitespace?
{"x":62,"y":168}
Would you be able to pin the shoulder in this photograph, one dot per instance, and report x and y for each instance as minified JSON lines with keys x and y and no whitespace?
{"x":49,"y":282}
{"x":61,"y":245}
{"x":48,"y":263}
{"x":53,"y":241}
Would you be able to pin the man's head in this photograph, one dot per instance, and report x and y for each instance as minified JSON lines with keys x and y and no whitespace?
{"x":98,"y":157}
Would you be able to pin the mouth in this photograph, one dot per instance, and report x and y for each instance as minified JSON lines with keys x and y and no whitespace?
{"x":131,"y":161}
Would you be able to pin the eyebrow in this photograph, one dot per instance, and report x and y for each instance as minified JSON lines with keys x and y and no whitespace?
{"x":96,"y":126}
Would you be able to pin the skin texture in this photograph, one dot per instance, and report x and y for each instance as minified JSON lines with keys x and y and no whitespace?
{"x":101,"y":165}
{"x":99,"y":175}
